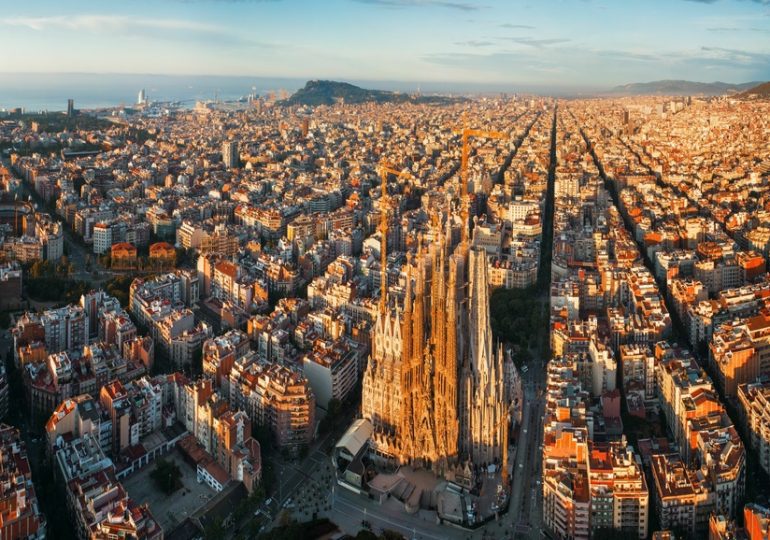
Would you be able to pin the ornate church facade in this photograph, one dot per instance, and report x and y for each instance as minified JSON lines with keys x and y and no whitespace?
{"x":434,"y":386}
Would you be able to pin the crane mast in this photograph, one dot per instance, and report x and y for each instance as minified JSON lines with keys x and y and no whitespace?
{"x":467,"y":134}
{"x":385,"y":169}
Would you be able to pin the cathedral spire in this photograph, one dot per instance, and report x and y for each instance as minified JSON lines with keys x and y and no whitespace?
{"x":408,"y":295}
{"x":384,"y":248}
{"x":418,"y":313}
{"x":480,"y":330}
{"x":441,"y":376}
{"x":464,"y":217}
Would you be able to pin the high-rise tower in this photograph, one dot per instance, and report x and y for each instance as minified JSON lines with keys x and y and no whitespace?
{"x":230,"y":155}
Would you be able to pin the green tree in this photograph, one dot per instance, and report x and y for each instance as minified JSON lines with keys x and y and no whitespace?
{"x":516,"y":318}
{"x":251,"y":503}
{"x":73,"y":290}
{"x":119,"y":287}
{"x":64,"y":264}
{"x":183,"y":257}
{"x":40,"y":269}
{"x":166,"y":476}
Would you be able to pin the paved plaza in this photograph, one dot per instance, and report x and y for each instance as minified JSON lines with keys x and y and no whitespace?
{"x":172,"y":509}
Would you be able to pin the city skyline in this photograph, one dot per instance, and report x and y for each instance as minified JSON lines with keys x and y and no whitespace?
{"x":385,"y":270}
{"x":563,"y":44}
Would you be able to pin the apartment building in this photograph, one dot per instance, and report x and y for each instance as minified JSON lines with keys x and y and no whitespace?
{"x":732,"y":354}
{"x":178,"y":288}
{"x":97,"y":501}
{"x":754,"y":399}
{"x":77,"y":417}
{"x":219,"y":355}
{"x":20,"y":514}
{"x":277,"y":397}
{"x":619,"y":498}
{"x":64,"y":328}
{"x":223,"y":435}
{"x":682,"y":501}
{"x":638,"y":371}
{"x":333,"y":368}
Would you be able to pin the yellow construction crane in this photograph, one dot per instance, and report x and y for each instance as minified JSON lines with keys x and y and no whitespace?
{"x":467,"y":134}
{"x":385,"y":169}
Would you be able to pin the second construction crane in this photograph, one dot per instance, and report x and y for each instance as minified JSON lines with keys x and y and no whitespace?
{"x":467,"y":134}
{"x":385,"y":169}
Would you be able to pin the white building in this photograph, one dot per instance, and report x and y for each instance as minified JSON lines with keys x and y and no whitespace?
{"x":603,"y":368}
{"x":331,"y":376}
{"x":102,"y":238}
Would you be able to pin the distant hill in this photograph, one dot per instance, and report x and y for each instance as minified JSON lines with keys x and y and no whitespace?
{"x":680,"y":88}
{"x":761,"y":90}
{"x":330,"y":92}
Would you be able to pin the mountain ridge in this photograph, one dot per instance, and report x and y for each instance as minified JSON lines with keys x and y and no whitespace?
{"x":761,"y":90}
{"x":677,"y":87}
{"x":325,"y":92}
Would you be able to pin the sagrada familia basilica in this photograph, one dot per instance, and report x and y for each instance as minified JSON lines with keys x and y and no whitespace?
{"x":434,"y":386}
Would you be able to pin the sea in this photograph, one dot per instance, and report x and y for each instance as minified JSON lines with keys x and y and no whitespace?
{"x":35,"y":92}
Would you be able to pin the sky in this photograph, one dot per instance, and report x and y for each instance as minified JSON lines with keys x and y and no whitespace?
{"x":563,"y":43}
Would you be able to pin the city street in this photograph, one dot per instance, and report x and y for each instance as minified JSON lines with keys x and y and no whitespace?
{"x":356,"y":271}
{"x":76,"y":252}
{"x":310,"y":487}
{"x":350,"y":510}
{"x":523,"y":512}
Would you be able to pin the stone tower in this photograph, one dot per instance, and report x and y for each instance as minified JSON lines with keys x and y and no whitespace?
{"x":484,"y":402}
{"x":434,"y":387}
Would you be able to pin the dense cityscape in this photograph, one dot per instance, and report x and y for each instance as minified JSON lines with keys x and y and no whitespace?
{"x":360,"y":311}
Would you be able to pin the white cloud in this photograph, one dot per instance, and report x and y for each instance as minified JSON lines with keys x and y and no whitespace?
{"x":173,"y":29}
{"x":104,"y":23}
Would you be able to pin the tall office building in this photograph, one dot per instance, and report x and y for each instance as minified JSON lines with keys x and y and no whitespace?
{"x":70,"y":107}
{"x":230,"y":154}
{"x":141,"y":99}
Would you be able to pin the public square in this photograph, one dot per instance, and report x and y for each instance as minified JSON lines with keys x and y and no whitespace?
{"x":172,"y":509}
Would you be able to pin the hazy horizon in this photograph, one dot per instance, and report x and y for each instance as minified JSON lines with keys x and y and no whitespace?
{"x":50,"y":91}
{"x":574,"y":44}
